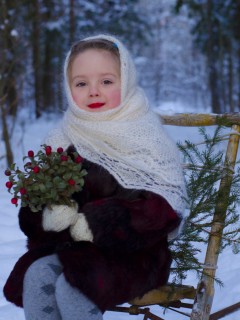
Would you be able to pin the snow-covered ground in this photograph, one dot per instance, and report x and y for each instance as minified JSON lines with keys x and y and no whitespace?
{"x":12,"y":241}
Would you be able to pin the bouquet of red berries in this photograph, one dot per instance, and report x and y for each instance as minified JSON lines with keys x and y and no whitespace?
{"x":50,"y":178}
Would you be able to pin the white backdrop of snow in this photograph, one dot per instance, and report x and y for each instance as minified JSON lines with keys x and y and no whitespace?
{"x":13,"y":241}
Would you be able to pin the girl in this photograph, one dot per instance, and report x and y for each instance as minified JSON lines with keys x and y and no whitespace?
{"x":112,"y":246}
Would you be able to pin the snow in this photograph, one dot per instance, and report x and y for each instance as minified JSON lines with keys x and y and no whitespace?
{"x":13,"y":242}
{"x":14,"y":33}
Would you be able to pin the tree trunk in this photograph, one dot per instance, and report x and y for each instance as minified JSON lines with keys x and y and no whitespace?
{"x":36,"y":58}
{"x":221,"y":66}
{"x":158,"y":72}
{"x":71,"y":23}
{"x":4,"y":52}
{"x":212,"y":61}
{"x":47,"y":79}
{"x":238,"y":21}
{"x":6,"y":137}
{"x":230,"y":76}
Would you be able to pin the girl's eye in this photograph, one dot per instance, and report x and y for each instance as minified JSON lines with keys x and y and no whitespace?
{"x":107,"y":82}
{"x":81,"y":84}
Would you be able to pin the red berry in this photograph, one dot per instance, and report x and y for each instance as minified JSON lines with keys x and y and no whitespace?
{"x":64,"y":158}
{"x":48,"y":150}
{"x":70,"y":181}
{"x":36,"y":169}
{"x":7,"y":172}
{"x":9,"y":184}
{"x":23,"y":190}
{"x":60,"y":150}
{"x":78,"y":159}
{"x":14,"y":200}
{"x":28,"y":164}
{"x":30,"y":153}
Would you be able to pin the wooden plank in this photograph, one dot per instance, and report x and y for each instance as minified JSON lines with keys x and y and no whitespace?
{"x":198,"y":119}
{"x":160,"y":295}
{"x":134,"y":310}
{"x":222,"y":313}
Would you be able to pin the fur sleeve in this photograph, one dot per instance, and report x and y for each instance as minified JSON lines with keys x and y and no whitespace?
{"x":130,"y":225}
{"x":30,"y":222}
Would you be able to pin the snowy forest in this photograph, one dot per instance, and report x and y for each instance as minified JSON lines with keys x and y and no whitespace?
{"x":187,"y":56}
{"x":186,"y":51}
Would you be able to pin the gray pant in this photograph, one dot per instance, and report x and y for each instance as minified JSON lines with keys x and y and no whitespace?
{"x":47,"y":295}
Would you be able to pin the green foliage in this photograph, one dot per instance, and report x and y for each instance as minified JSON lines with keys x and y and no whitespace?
{"x":205,"y":169}
{"x":54,"y":183}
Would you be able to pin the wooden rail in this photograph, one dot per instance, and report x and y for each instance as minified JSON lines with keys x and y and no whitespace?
{"x":198,"y":119}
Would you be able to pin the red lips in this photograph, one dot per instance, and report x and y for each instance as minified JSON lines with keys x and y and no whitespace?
{"x":96,"y":105}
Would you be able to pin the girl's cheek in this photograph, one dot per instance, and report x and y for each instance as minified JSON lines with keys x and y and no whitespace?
{"x":74,"y":98}
{"x":116,"y":98}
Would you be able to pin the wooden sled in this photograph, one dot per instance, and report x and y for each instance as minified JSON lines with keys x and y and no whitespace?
{"x":202,"y":296}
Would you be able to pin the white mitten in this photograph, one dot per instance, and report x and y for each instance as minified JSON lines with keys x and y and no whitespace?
{"x":59,"y":217}
{"x":80,"y":231}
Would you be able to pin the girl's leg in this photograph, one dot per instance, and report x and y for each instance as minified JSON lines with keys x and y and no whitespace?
{"x":39,"y":300}
{"x":73,"y":304}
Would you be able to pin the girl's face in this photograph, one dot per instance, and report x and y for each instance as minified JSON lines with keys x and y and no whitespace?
{"x":95,"y":80}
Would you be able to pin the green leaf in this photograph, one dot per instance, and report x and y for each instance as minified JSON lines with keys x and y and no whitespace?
{"x":62,"y":170}
{"x":48,"y":178}
{"x":29,"y":188}
{"x":56,"y":180}
{"x":45,"y":167}
{"x":47,"y":195}
{"x":83,"y":173}
{"x":64,"y":163}
{"x":39,"y":207}
{"x":42,"y":188}
{"x":62,"y":185}
{"x":67,"y":176}
{"x":20,"y":183}
{"x":35,"y":186}
{"x":33,"y":209}
{"x":13,"y":166}
{"x":51,"y":171}
{"x":53,"y":193}
{"x":21,"y":175}
{"x":23,"y":204}
{"x":35,"y":200}
{"x":48,"y":184}
{"x":41,"y":176}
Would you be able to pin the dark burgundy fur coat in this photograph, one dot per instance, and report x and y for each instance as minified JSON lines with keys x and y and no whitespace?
{"x":129,"y":254}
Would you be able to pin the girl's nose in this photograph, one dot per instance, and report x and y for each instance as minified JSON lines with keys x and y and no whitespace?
{"x":94,"y":92}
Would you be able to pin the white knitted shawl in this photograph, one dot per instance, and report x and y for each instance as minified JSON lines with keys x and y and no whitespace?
{"x":129,"y":141}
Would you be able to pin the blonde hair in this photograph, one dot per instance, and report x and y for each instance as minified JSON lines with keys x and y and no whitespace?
{"x":95,"y":44}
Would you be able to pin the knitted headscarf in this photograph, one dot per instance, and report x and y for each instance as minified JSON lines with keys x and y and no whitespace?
{"x":129,"y":141}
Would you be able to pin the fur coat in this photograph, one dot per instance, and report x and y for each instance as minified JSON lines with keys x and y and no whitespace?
{"x":129,"y":254}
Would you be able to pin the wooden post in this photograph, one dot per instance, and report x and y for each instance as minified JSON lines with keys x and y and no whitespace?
{"x":205,"y":290}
